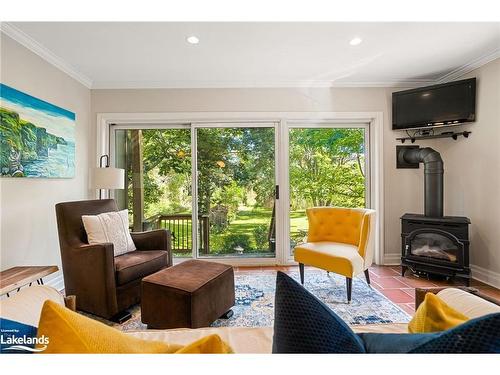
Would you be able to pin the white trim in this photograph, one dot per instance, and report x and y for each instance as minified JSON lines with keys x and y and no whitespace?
{"x":392,"y":260}
{"x":470,"y":66}
{"x":284,"y":183}
{"x":375,"y":119}
{"x":56,"y":282}
{"x":233,"y":124}
{"x":194,"y":192}
{"x":404,"y":83}
{"x":282,"y":220}
{"x":40,"y":50}
{"x":486,"y":276}
{"x":147,"y":118}
{"x":293,"y":124}
{"x":377,"y":182}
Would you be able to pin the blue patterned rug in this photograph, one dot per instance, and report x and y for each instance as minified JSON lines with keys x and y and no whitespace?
{"x":255,"y":301}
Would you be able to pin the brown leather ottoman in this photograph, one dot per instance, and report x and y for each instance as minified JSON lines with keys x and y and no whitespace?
{"x":192,"y":294}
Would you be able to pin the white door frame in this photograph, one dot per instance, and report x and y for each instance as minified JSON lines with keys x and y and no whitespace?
{"x":375,"y":144}
{"x":286,"y":162}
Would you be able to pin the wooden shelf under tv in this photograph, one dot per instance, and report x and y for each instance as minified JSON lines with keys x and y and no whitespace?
{"x":453,"y":135}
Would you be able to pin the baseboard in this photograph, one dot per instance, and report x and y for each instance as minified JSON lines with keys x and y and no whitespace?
{"x":392,"y":259}
{"x":485,"y":276}
{"x":56,"y":282}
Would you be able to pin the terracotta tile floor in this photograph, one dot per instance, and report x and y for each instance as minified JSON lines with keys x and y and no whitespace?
{"x":388,"y":280}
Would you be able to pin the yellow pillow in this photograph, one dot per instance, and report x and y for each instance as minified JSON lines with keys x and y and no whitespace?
{"x":434,"y":315}
{"x":70,"y":332}
{"x":211,"y":344}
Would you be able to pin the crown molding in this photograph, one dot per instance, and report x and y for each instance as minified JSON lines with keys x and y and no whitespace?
{"x":470,"y":66}
{"x":245,"y":84}
{"x":35,"y":47}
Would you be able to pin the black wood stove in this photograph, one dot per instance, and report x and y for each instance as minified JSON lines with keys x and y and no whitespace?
{"x":432,"y":243}
{"x":435,"y":245}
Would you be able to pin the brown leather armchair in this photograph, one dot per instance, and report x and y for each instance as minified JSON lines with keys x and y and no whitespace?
{"x":106,"y":285}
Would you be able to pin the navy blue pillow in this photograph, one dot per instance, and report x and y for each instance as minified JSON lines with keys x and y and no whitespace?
{"x":394,"y":343}
{"x":304,"y":324}
{"x":15,"y":337}
{"x":480,"y":335}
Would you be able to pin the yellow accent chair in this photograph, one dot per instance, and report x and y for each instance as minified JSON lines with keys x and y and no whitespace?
{"x":340,"y":240}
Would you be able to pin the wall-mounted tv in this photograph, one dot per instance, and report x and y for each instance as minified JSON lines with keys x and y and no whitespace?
{"x":446,"y":104}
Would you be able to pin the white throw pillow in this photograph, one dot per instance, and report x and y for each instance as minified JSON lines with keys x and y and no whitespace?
{"x":110,"y":227}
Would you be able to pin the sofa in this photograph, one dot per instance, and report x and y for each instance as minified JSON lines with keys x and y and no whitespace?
{"x":26,"y":305}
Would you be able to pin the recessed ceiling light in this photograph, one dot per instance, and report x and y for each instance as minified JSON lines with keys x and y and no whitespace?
{"x":355,"y":41}
{"x":193,"y":39}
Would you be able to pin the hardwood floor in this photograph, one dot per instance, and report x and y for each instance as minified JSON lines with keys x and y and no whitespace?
{"x":388,"y":280}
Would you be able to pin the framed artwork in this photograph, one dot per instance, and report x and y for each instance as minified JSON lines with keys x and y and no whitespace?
{"x":37,"y":139}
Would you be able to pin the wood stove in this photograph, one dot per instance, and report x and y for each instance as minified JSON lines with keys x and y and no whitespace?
{"x":435,"y":245}
{"x":432,"y":243}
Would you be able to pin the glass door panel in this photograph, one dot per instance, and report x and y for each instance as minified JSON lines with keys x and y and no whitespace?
{"x":158,"y":182}
{"x":327,"y":167}
{"x":236,"y":191}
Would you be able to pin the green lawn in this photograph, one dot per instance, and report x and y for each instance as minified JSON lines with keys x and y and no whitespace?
{"x":248,"y":217}
{"x":298,"y":221}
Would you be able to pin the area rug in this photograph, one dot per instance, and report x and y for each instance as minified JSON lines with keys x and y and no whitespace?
{"x":255,"y":301}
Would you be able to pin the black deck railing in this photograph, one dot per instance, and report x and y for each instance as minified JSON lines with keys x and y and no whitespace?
{"x":180,"y":227}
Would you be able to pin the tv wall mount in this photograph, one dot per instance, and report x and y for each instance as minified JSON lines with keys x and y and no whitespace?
{"x":431,"y":135}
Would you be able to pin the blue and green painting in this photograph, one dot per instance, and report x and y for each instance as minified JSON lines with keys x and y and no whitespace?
{"x":37,"y":139}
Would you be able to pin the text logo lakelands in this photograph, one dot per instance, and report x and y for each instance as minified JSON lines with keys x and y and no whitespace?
{"x":22,"y":343}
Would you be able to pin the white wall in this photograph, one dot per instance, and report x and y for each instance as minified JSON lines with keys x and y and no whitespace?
{"x":28,"y":223}
{"x":472,"y":175}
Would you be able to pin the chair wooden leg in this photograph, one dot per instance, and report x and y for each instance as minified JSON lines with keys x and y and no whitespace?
{"x":348,"y":281}
{"x":301,"y":269}
{"x":367,"y":277}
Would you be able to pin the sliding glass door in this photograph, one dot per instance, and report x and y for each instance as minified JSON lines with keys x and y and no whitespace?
{"x":212,"y":186}
{"x":158,"y":181}
{"x":327,"y":167}
{"x":215,"y":186}
{"x":235,"y":166}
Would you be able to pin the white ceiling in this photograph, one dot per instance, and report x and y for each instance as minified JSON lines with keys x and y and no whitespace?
{"x":146,"y":55}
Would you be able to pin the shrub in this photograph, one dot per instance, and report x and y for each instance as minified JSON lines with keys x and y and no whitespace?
{"x":216,"y":243}
{"x":233,"y":240}
{"x":260,"y":233}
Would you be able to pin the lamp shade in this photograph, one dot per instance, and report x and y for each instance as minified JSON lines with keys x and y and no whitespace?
{"x":109,"y":178}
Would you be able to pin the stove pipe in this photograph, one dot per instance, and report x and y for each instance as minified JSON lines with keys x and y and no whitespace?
{"x":433,"y":178}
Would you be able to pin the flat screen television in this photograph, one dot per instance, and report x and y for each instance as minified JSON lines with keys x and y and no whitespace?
{"x":445,"y":104}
